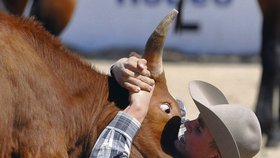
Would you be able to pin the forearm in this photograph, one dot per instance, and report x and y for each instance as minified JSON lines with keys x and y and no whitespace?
{"x":117,"y":137}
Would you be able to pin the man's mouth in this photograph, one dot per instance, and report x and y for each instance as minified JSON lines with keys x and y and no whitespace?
{"x":182,"y":139}
{"x":180,"y":143}
{"x":180,"y":146}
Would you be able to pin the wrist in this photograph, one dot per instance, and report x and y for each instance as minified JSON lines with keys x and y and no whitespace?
{"x":137,"y":112}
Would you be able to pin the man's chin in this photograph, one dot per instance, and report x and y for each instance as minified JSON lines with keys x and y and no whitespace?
{"x":179,"y":148}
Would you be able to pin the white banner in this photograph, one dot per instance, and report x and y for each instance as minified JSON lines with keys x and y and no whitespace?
{"x":206,"y":26}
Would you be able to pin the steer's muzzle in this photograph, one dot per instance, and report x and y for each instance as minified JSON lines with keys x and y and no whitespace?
{"x":169,"y":135}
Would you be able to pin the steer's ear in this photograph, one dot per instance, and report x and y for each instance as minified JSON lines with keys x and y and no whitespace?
{"x":154,"y":46}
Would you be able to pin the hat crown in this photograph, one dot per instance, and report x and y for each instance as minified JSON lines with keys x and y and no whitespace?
{"x":235,"y":117}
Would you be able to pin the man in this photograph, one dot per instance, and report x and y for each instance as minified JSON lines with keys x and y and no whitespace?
{"x":221,"y":130}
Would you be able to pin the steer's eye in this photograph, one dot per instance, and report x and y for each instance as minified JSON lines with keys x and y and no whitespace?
{"x":165,"y":108}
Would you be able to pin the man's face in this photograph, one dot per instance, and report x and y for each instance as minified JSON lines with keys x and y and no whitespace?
{"x":196,"y":140}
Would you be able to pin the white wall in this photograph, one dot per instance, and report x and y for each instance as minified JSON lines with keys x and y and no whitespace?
{"x":103,"y":24}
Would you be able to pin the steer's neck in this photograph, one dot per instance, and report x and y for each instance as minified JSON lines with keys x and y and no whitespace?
{"x":98,"y":96}
{"x":108,"y":100}
{"x":93,"y":98}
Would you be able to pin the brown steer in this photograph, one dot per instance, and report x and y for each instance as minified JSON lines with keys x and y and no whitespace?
{"x":55,"y":105}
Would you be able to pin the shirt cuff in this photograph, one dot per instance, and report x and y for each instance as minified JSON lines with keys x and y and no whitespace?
{"x":125,"y":123}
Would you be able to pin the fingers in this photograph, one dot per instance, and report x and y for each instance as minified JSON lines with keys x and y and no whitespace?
{"x":137,"y":66}
{"x":136,"y":81}
{"x":132,"y":74}
{"x":130,"y":87}
{"x":145,"y":80}
{"x":134,"y":84}
{"x":142,"y":64}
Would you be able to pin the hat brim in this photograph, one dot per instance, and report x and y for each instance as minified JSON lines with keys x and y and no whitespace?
{"x":206,"y":97}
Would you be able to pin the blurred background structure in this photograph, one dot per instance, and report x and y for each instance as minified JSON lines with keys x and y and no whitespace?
{"x":208,"y":27}
{"x":53,"y":14}
{"x":268,"y":105}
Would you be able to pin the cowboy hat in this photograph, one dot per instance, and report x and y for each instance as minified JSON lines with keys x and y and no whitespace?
{"x":235,"y":128}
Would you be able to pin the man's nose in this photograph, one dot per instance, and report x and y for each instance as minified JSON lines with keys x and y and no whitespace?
{"x":186,"y":122}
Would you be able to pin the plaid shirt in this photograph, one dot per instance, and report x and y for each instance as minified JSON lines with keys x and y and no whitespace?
{"x":117,"y":137}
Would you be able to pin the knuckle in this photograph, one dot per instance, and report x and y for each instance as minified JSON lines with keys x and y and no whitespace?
{"x":134,"y":54}
{"x":126,"y":73}
{"x":132,"y":59}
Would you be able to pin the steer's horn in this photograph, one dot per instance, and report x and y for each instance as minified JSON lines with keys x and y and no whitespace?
{"x":154,"y":46}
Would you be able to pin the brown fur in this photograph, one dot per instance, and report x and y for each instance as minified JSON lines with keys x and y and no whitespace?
{"x":54,"y":105}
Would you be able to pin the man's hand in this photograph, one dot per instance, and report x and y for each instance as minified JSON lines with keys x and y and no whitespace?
{"x":132,"y":74}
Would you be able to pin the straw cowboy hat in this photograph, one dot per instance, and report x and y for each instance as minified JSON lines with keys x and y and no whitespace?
{"x":235,"y":128}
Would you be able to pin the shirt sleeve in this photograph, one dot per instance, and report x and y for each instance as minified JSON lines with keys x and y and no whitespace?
{"x":116,"y":139}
